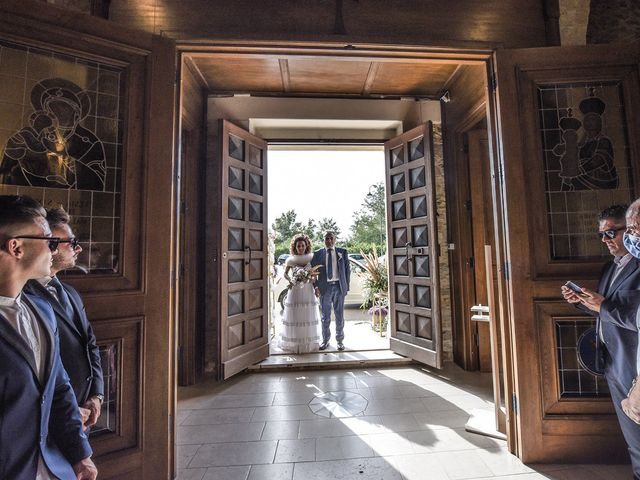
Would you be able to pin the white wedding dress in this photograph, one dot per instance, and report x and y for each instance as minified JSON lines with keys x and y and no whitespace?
{"x":299,"y":331}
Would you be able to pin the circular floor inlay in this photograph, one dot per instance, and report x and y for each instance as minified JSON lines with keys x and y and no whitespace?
{"x":338,"y":404}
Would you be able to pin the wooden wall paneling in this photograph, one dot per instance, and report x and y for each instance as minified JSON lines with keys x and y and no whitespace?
{"x":411,"y":79}
{"x":324,"y":76}
{"x":531,"y":278}
{"x":192,"y":203}
{"x":513,"y":23}
{"x":482,"y":233}
{"x":547,"y":312}
{"x":127,"y":336}
{"x":141,"y":288}
{"x":466,"y":108}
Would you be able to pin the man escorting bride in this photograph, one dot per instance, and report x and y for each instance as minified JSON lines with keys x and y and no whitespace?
{"x":332,"y":286}
{"x":300,"y":320}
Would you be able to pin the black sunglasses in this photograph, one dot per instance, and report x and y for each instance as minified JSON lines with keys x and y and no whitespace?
{"x":53,"y":241}
{"x":73,"y":241}
{"x":611,"y":234}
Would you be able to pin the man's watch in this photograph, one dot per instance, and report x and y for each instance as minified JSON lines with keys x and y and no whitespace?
{"x":100,"y":398}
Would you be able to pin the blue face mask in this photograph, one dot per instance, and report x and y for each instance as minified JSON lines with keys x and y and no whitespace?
{"x":632,"y":244}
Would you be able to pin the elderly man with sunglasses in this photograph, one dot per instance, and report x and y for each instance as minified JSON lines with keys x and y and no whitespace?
{"x":78,"y":348}
{"x":615,"y":305}
{"x":41,"y":432}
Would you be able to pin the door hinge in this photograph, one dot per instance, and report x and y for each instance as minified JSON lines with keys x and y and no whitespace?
{"x":514,"y":403}
{"x":494,"y":81}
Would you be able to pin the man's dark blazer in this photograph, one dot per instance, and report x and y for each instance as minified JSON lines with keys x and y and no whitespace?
{"x":617,"y":319}
{"x":37,"y":417}
{"x":344,"y":269}
{"x":78,"y":348}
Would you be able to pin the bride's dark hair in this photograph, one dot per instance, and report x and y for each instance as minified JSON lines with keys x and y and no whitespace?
{"x":300,"y":238}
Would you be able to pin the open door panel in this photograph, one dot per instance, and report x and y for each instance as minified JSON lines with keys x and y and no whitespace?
{"x":244,"y":311}
{"x":412,"y":247}
{"x":567,"y":129}
{"x":107,"y":96}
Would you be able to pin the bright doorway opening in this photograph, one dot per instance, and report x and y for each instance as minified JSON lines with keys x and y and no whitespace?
{"x":341,"y":188}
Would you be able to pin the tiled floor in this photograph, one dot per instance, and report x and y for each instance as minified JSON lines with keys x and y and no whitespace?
{"x":259,"y":426}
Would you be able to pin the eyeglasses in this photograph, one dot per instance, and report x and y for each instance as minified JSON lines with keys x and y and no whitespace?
{"x":52,"y":241}
{"x":611,"y":233}
{"x":73,"y":242}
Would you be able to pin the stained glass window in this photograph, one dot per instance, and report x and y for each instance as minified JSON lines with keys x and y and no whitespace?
{"x":61,"y":143}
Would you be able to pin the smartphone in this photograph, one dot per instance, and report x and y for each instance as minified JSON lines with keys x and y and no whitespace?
{"x":576,"y":288}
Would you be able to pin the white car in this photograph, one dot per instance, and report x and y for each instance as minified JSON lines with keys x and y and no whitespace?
{"x":355,"y":295}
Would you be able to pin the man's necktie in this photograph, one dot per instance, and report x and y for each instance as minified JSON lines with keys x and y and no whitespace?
{"x":63,"y":298}
{"x":329,"y":263}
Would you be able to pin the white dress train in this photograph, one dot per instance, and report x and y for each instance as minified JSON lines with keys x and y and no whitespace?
{"x":300,"y":329}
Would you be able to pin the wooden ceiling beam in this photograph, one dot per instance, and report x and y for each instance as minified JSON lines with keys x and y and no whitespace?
{"x":371,"y":77}
{"x":284,"y":73}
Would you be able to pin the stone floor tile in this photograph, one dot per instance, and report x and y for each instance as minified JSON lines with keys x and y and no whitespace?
{"x":299,"y":450}
{"x":284,"y":430}
{"x":283,"y":412}
{"x":354,"y":469}
{"x":227,"y":473}
{"x":419,"y":467}
{"x":229,"y":454}
{"x":233,"y":432}
{"x":463,"y":465}
{"x":501,"y":462}
{"x":213,"y":416}
{"x":340,"y":448}
{"x":185,"y":453}
{"x":277,"y":471}
{"x":191,"y":473}
{"x":388,"y":444}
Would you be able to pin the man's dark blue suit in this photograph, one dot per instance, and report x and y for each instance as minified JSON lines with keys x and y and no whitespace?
{"x":78,"y":348}
{"x":37,"y":417}
{"x":617,"y":322}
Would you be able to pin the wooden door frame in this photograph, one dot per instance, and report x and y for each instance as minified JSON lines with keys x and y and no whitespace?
{"x":133,"y":306}
{"x":470,"y":54}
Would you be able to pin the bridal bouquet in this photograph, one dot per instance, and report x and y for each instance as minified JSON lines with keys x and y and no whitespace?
{"x":304,"y":275}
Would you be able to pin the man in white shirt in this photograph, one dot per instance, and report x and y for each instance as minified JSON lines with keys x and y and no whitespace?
{"x":41,"y":432}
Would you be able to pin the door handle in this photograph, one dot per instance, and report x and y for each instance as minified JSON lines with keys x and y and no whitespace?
{"x":247,"y":260}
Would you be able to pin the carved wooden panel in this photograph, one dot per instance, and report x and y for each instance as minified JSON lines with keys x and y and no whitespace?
{"x":244,"y":313}
{"x":413,"y":272}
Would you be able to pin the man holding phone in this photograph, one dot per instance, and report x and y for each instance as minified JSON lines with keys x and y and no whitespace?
{"x":615,"y":305}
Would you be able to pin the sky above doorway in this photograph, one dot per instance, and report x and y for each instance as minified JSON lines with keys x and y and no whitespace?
{"x":322,"y":183}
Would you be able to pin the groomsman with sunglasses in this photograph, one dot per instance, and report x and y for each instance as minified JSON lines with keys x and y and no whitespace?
{"x":41,"y":432}
{"x":78,"y":348}
{"x":614,"y":305}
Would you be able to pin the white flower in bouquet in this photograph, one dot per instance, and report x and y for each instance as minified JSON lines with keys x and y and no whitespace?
{"x":303,"y":275}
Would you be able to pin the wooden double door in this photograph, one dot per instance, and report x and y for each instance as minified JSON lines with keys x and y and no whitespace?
{"x":413,"y":249}
{"x":87,"y":114}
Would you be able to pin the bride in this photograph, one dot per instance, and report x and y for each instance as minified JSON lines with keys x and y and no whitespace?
{"x":301,"y":318}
